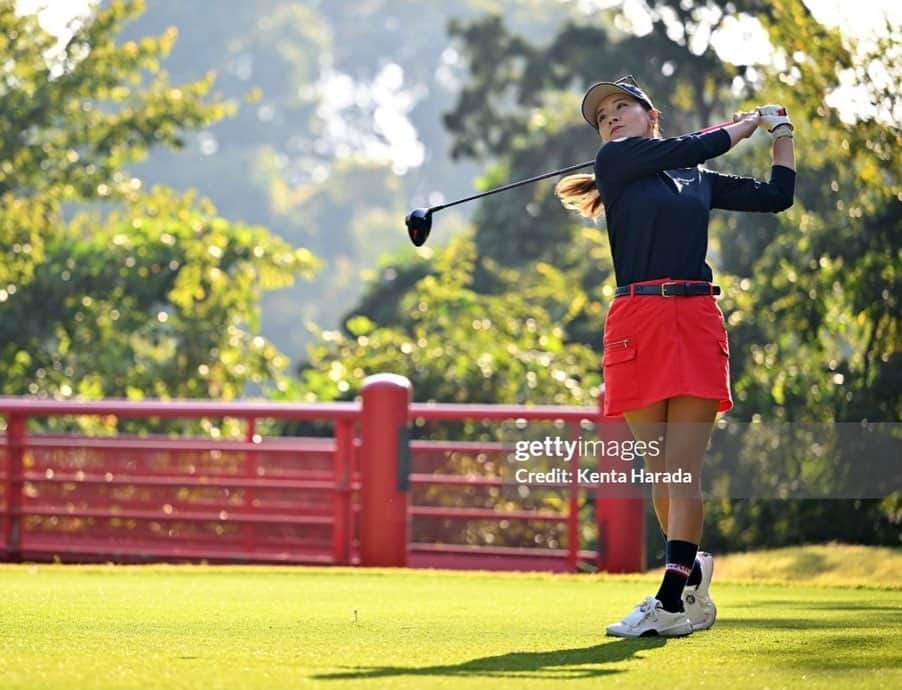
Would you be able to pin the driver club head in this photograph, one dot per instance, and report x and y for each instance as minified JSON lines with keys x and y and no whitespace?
{"x":419,"y":223}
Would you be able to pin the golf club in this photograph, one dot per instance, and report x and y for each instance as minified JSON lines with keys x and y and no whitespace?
{"x":419,"y":220}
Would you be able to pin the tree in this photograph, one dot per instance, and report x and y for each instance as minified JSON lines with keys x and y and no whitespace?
{"x":159,"y":299}
{"x":335,"y":83}
{"x":457,"y":345}
{"x":149,"y":293}
{"x":831,"y":276}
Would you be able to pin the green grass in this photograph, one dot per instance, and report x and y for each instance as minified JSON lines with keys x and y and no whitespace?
{"x":832,"y":565}
{"x":821,"y":565}
{"x":240,"y":627}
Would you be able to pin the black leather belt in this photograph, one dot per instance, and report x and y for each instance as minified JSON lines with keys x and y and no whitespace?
{"x":674,"y":289}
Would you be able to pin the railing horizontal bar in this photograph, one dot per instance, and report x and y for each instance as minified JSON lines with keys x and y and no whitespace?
{"x":484,"y":514}
{"x":310,"y":475}
{"x":183,"y":481}
{"x":457,"y":480}
{"x":256,"y":518}
{"x":460,"y":446}
{"x":427,"y":479}
{"x":161,"y":443}
{"x":171,"y":409}
{"x":457,"y":412}
{"x":474,"y":550}
{"x":101,"y":548}
{"x":109,"y":506}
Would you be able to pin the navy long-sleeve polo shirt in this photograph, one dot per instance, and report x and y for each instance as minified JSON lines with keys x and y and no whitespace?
{"x":658,"y":200}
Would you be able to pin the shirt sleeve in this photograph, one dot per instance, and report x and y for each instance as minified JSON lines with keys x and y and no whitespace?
{"x":624,"y":159}
{"x":734,"y":193}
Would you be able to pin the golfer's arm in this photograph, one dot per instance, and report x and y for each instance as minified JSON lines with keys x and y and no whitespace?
{"x":784,"y":153}
{"x":631,"y":157}
{"x":738,"y":131}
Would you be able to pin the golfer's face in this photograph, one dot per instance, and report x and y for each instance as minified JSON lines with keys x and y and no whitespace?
{"x":620,"y":115}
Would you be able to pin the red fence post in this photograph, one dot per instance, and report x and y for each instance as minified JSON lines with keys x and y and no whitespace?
{"x":341,"y":531}
{"x":573,"y":507}
{"x":383,"y":504}
{"x":15,"y":436}
{"x":619,"y":511}
{"x":249,"y":530}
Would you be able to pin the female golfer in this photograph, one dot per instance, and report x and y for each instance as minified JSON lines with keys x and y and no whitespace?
{"x":666,"y":354}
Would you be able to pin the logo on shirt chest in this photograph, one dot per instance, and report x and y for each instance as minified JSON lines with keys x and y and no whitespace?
{"x":680,"y":179}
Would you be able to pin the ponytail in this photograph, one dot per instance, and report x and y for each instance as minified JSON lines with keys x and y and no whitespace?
{"x":579,"y":193}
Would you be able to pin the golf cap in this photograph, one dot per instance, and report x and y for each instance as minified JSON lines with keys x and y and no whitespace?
{"x":598,"y":92}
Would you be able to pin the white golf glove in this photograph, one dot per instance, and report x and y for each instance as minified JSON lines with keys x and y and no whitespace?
{"x":775,"y":121}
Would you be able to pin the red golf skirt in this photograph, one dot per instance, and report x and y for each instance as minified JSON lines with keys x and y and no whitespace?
{"x":661,"y":347}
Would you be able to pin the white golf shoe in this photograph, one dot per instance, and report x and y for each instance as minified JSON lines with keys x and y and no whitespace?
{"x":697,"y":599}
{"x":649,"y":619}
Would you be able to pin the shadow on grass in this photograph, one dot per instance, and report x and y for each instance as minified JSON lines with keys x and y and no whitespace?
{"x":560,"y":664}
{"x":829,"y":649}
{"x":874,"y":621}
{"x":829,"y":638}
{"x":842,"y":652}
{"x":797,"y":605}
{"x":852,"y":606}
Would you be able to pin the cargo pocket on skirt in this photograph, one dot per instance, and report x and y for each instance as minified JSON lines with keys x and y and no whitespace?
{"x":621,"y":371}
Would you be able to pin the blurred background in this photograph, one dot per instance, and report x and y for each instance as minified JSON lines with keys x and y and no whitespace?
{"x":206,"y":200}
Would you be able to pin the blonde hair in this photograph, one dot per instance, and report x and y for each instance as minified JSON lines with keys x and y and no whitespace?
{"x":579,"y":193}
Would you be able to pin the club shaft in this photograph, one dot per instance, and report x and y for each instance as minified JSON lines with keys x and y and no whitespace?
{"x":571,"y":168}
{"x":512,"y":185}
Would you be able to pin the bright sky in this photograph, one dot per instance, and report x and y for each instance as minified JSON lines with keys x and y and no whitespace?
{"x":744,"y":42}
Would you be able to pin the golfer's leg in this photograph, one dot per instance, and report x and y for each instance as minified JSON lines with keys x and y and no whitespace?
{"x":647,"y":424}
{"x":689,"y":424}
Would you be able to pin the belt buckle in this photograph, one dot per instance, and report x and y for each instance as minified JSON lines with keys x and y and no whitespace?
{"x":664,"y":288}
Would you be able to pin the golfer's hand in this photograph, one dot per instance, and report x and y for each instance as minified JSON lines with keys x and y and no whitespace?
{"x":749,"y":121}
{"x":775,"y":121}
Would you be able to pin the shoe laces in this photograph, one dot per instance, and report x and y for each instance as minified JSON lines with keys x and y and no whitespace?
{"x":647,"y":607}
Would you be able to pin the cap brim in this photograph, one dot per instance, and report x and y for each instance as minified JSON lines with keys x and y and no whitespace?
{"x":596,"y":94}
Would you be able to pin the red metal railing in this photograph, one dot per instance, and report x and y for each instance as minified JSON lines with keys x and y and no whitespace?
{"x":498,"y":557}
{"x":150,"y":498}
{"x":130,"y":498}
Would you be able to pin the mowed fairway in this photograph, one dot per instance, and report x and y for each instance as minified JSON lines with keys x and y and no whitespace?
{"x":239,"y":627}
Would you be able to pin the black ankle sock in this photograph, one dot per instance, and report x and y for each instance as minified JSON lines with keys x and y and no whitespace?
{"x":696,"y":575}
{"x":680,"y":558}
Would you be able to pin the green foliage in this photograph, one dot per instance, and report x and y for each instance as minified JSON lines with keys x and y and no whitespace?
{"x":455,"y":344}
{"x":70,"y":122}
{"x":159,"y":299}
{"x":817,"y":321}
{"x":831,"y":277}
{"x":305,"y":159}
{"x":21,"y":221}
{"x":152,"y":293}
